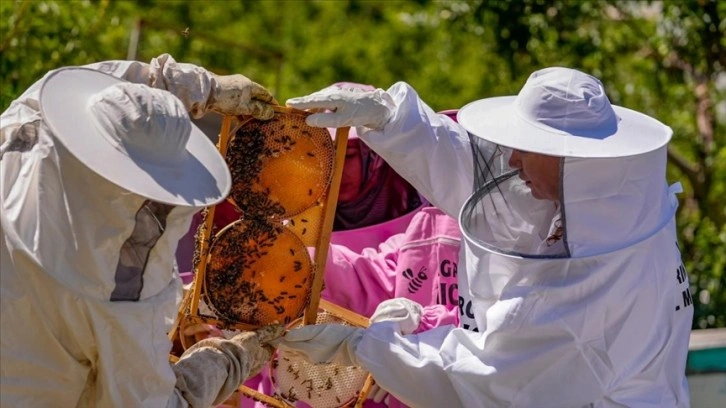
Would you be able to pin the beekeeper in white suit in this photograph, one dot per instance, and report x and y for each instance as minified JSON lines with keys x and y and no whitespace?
{"x":572,"y":290}
{"x":100,"y":178}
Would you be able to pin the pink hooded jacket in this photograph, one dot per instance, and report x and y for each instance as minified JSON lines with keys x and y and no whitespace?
{"x":418,"y":263}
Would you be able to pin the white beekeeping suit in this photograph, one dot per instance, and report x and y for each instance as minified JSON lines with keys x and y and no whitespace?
{"x":578,"y":302}
{"x":99,"y":180}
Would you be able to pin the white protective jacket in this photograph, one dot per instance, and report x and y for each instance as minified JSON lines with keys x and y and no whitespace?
{"x":74,"y":331}
{"x":601,"y":319}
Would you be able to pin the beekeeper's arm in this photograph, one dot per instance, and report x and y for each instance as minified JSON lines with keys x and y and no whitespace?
{"x":200,"y":90}
{"x":522,"y":366}
{"x":348,"y":274}
{"x":212,"y":369}
{"x":429,"y":150}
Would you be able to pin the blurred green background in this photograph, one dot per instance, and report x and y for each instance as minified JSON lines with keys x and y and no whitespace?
{"x":663,"y":58}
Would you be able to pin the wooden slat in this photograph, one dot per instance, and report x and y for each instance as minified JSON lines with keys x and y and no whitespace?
{"x":208,"y":225}
{"x":363,"y":396}
{"x":329,"y":205}
{"x":347,"y":315}
{"x":186,"y":300}
{"x":263,"y":398}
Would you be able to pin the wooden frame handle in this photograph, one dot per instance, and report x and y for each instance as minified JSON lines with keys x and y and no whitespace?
{"x":329,"y":206}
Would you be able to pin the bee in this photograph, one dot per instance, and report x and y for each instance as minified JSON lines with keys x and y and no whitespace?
{"x":557,"y":234}
{"x":415,"y":282}
{"x":185,"y":32}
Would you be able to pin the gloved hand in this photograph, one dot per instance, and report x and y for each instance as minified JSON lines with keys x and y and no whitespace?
{"x":323,"y":343}
{"x":405,"y":312}
{"x":347,"y":107}
{"x":334,"y":343}
{"x":238,"y":95}
{"x":257,"y":344}
{"x":211,"y":370}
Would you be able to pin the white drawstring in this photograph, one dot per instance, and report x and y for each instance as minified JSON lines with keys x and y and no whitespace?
{"x":161,"y":227}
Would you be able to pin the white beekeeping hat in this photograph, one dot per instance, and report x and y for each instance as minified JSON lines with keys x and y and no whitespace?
{"x":135,"y":136}
{"x":563,"y":112}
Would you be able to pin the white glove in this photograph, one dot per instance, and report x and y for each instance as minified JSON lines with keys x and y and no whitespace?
{"x":323,"y":343}
{"x":347,"y":107}
{"x":328,"y":343}
{"x":335,"y":343}
{"x":238,"y":95}
{"x":405,"y":312}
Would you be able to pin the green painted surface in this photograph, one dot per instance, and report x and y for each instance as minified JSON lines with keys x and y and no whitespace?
{"x":707,"y":360}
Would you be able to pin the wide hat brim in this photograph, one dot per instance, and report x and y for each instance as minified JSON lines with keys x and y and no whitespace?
{"x":199,"y":178}
{"x":496,"y":120}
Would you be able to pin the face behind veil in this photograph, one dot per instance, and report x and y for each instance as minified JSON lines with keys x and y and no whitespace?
{"x":371,"y":192}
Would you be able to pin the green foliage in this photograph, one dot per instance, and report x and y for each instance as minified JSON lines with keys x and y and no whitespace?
{"x":38,"y":36}
{"x":665,"y":59}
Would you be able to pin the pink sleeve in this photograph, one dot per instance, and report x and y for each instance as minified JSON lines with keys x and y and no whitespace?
{"x":438,"y":315}
{"x":359,"y":282}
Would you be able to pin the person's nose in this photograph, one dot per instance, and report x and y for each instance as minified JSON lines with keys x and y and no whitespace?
{"x":515,"y":160}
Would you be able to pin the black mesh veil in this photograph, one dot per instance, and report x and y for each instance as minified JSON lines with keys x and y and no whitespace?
{"x":490,"y":168}
{"x":502,"y":215}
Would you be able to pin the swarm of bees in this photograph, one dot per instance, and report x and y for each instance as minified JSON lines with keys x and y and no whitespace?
{"x":258,"y":273}
{"x":259,"y":270}
{"x":279,"y":167}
